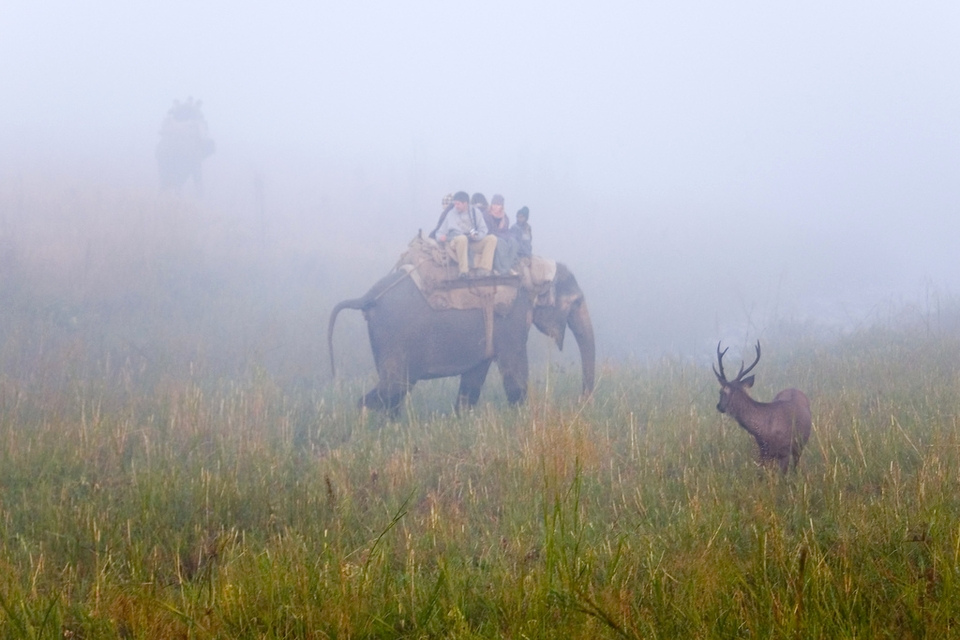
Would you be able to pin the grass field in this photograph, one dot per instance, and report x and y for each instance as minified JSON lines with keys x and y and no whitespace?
{"x":237,"y":511}
{"x":143,"y":497}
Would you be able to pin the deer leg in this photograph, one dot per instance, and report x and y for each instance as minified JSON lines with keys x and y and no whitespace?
{"x":784,"y":462}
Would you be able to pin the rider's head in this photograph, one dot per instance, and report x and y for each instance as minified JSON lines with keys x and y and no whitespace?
{"x":461,"y":200}
{"x":479,"y":200}
{"x":496,"y":206}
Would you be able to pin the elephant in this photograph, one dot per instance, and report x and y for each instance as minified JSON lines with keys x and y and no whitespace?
{"x":184,"y":144}
{"x":411,"y":341}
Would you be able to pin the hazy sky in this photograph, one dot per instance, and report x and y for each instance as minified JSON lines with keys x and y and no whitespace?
{"x":765,"y":147}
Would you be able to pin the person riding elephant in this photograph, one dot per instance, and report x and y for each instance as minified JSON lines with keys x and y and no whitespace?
{"x":523,"y":232}
{"x":464,"y":229}
{"x":479,"y":202}
{"x":498,"y":223}
{"x":184,"y":144}
{"x":446,"y":205}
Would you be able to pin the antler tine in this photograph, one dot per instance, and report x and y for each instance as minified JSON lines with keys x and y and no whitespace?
{"x":721,"y":375}
{"x":750,"y":368}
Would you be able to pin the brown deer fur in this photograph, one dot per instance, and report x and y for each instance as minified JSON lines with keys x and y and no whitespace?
{"x":781,"y":428}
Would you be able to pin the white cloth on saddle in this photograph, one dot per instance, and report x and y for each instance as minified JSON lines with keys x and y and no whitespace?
{"x":542,"y":271}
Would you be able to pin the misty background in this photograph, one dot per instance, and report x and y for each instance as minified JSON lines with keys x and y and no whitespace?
{"x":706,"y":170}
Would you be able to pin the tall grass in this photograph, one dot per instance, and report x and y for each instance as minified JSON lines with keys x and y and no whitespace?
{"x":150,"y":497}
{"x":243,"y":512}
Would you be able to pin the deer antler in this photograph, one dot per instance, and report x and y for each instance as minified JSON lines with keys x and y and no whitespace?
{"x":720,"y":376}
{"x":750,"y":368}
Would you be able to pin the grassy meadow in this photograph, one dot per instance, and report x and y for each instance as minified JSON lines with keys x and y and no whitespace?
{"x":169,"y":471}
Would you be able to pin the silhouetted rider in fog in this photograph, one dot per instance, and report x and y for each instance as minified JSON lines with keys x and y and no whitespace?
{"x":184,"y":144}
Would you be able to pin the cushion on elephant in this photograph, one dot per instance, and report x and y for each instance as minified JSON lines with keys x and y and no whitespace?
{"x":467,"y":294}
{"x":435,"y":266}
{"x":430,"y":263}
{"x":436,"y":275}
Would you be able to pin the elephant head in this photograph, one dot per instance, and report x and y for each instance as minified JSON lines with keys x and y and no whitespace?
{"x":569,"y":307}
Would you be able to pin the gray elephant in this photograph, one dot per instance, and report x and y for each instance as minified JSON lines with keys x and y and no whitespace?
{"x":412,"y":341}
{"x":184,"y":144}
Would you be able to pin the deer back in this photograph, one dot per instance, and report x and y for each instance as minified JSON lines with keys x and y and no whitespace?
{"x":796,"y":408}
{"x":779,"y":426}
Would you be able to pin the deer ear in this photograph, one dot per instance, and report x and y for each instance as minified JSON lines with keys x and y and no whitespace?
{"x":748,"y":382}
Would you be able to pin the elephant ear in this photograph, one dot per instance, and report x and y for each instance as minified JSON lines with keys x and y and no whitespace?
{"x":551,"y":318}
{"x":551,"y":322}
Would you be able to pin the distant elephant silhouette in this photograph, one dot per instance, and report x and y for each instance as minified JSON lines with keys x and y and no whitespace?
{"x":184,"y":144}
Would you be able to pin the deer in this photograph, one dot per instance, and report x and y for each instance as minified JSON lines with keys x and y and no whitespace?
{"x":781,"y":428}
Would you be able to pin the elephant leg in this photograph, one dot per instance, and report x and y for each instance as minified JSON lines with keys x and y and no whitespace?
{"x":514,"y":369}
{"x":515,"y":379}
{"x":470,"y":384}
{"x":390,"y":390}
{"x":393,"y":369}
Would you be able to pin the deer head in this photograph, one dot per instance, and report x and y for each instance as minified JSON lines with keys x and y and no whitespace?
{"x":730,"y":388}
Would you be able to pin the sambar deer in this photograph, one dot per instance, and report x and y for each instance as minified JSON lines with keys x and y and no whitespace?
{"x":781,"y":428}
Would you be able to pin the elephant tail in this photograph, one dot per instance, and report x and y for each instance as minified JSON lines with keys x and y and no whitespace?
{"x":357,"y":303}
{"x":363,"y":303}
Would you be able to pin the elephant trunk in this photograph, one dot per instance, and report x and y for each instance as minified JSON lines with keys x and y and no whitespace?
{"x":582,"y":328}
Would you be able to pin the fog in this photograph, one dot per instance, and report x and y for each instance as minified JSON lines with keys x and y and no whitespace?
{"x":707,"y":170}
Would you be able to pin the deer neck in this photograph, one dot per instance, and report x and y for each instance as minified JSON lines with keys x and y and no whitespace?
{"x":746,"y":411}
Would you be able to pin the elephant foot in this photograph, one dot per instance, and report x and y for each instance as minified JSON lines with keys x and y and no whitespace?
{"x":516,"y":396}
{"x":467,"y":400}
{"x":378,"y":401}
